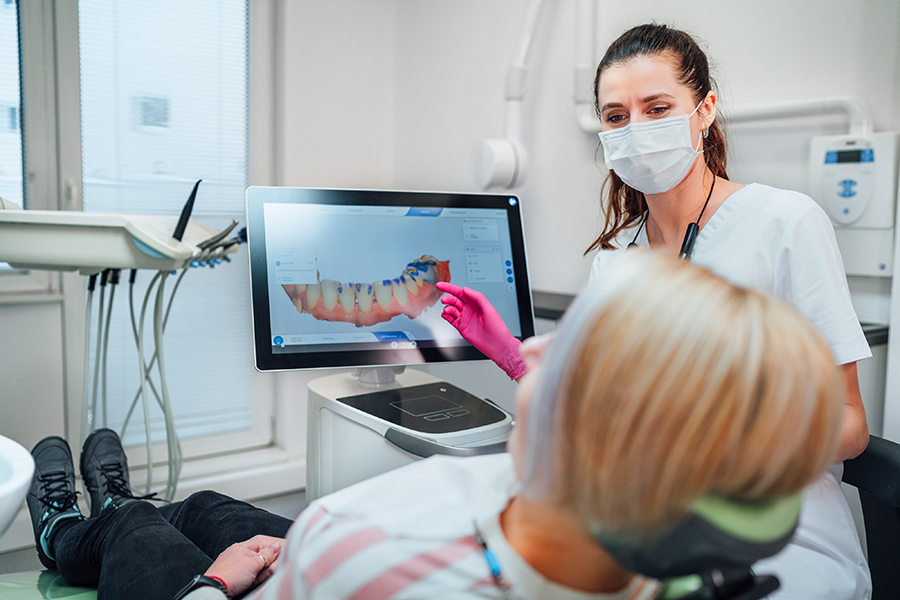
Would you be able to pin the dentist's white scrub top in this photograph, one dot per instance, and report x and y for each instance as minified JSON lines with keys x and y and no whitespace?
{"x":782,"y":243}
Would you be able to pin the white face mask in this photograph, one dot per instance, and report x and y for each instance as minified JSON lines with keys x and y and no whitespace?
{"x":651,"y":156}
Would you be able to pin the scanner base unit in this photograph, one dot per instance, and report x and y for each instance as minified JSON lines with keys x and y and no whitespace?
{"x":356,"y":433}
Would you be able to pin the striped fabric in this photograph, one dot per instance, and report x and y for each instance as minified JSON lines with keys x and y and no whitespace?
{"x":408,"y":534}
{"x":328,"y":556}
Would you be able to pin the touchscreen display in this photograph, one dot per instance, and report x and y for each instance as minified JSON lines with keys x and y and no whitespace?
{"x":345,"y":277}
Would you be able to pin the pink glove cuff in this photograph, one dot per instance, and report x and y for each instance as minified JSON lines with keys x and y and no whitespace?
{"x":511,"y":361}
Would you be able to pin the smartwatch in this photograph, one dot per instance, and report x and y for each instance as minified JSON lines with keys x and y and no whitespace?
{"x":200,"y":581}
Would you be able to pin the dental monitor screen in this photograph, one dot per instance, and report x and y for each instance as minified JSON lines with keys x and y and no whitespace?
{"x":347,"y":277}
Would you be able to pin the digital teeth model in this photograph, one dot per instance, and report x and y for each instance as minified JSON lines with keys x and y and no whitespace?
{"x":365,"y":304}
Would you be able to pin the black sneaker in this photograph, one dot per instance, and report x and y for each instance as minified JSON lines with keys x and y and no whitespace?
{"x":52,"y":497}
{"x":104,"y":469}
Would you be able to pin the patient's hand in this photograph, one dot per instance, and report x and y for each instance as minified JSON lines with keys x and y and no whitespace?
{"x":247,"y":564}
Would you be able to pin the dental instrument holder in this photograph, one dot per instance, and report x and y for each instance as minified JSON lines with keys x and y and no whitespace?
{"x":91,"y":242}
{"x":97,"y":243}
{"x":355,"y":433}
{"x":178,"y":234}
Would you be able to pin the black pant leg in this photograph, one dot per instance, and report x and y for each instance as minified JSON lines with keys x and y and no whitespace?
{"x":132,"y":552}
{"x":213,"y":521}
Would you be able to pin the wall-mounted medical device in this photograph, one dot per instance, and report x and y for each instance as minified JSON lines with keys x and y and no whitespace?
{"x":504,"y":160}
{"x":854,"y":178}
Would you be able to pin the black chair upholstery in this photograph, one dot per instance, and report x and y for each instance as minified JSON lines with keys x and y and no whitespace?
{"x":876,"y":474}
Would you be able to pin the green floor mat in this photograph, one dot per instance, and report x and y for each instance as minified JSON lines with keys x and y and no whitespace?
{"x":36,"y":585}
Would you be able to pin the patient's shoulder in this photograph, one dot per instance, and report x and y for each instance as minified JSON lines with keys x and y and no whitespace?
{"x":369,"y":533}
{"x":440,"y":495}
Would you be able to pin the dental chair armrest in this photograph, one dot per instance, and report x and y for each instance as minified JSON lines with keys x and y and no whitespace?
{"x":424,"y":448}
{"x":876,"y":470}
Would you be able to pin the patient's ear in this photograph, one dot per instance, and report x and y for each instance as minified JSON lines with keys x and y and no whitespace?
{"x":515,"y":443}
{"x":532,"y":351}
{"x":533,"y":348}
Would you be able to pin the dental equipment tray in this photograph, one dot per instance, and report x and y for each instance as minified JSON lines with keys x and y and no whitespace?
{"x":430,"y":408}
{"x":92,"y":242}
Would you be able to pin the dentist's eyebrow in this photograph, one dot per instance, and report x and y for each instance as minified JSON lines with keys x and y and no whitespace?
{"x":661,"y":95}
{"x":651,"y":98}
{"x":611,"y":105}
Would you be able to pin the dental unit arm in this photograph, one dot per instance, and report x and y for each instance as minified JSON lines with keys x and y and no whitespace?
{"x":104,"y":244}
{"x":91,"y":242}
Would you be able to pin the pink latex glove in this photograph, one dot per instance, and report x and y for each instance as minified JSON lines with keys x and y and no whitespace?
{"x":480,"y":325}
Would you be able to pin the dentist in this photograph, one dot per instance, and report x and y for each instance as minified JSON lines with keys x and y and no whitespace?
{"x":668,"y":189}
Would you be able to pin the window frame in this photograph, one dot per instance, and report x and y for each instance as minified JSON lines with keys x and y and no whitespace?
{"x":38,"y":125}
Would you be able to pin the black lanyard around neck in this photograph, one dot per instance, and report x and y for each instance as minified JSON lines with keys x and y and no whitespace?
{"x":690,"y":236}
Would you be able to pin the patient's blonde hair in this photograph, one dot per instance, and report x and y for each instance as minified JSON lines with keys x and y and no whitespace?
{"x":665,"y":383}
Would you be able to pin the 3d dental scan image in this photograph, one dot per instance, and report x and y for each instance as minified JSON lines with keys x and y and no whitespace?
{"x":363,"y":304}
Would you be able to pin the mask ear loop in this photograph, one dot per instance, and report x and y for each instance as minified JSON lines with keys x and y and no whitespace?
{"x":705,"y":131}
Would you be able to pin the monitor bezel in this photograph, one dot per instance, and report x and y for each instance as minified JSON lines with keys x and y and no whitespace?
{"x":267,"y":360}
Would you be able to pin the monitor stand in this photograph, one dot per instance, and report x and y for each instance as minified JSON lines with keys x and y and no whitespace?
{"x":378,"y":378}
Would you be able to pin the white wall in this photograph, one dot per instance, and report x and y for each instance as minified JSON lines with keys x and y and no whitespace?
{"x":424,"y":80}
{"x":31,"y":372}
{"x":337,"y":94}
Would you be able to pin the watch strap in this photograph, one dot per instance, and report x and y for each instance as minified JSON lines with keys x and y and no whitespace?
{"x":201,"y":581}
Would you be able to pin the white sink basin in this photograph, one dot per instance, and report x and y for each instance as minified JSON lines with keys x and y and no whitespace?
{"x":16,"y":470}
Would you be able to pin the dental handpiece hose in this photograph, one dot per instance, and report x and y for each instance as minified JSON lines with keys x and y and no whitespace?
{"x":99,"y":354}
{"x":85,"y":394}
{"x":145,"y":375}
{"x":113,"y":280}
{"x":149,"y":368}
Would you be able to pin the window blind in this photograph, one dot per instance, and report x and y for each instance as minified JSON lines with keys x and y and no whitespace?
{"x":10,"y":106}
{"x":164,"y":101}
